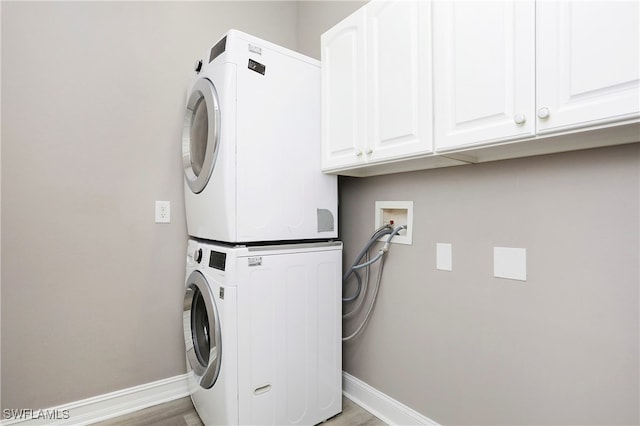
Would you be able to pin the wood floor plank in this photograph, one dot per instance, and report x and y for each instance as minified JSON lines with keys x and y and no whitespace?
{"x":174,"y":413}
{"x":353,"y":414}
{"x":182,"y":413}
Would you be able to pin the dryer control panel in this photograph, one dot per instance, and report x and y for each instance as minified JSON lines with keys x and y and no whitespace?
{"x":217,"y":260}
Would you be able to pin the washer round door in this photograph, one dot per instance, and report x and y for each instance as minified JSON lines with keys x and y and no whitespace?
{"x":200,"y":134}
{"x":202,"y":334}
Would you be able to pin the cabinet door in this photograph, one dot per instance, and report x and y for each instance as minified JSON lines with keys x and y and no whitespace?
{"x":343,"y":92}
{"x":399,"y":79}
{"x":588,"y":62}
{"x":483,"y":71}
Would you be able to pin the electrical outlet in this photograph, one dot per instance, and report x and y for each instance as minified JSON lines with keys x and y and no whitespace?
{"x":163,"y":212}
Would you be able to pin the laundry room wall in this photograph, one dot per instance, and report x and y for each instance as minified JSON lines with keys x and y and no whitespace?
{"x":92,"y":112}
{"x":316,"y":17}
{"x":463,"y":347}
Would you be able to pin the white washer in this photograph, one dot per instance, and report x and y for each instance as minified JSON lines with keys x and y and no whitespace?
{"x":263,"y":332}
{"x":251,"y":146}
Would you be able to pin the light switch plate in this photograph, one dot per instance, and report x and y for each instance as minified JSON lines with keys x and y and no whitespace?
{"x":444,"y":257}
{"x":510,"y":263}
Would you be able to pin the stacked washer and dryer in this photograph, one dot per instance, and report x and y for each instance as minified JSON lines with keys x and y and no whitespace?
{"x":262,"y":306}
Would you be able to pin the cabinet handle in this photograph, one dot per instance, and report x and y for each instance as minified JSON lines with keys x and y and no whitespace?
{"x":358,"y":153}
{"x":543,"y":113}
{"x":519,"y":118}
{"x":369,"y":151}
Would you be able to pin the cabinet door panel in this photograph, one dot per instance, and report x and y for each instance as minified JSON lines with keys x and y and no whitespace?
{"x":483,"y":71}
{"x":588,"y":62}
{"x":399,"y":79}
{"x":343,"y":91}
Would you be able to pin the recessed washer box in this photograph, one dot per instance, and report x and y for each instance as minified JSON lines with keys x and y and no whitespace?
{"x":398,"y":213}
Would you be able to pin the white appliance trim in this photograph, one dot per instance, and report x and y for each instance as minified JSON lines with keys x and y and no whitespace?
{"x":113,"y":404}
{"x":381,"y":405}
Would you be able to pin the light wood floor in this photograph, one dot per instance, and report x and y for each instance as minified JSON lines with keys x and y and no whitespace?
{"x":181,"y":413}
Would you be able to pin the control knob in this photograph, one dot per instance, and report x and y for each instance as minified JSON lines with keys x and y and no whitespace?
{"x":195,"y":255}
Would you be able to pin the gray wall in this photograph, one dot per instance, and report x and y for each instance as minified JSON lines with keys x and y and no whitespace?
{"x":316,"y":17}
{"x":92,"y":110}
{"x":463,"y":347}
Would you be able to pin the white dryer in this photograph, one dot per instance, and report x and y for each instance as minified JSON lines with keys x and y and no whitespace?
{"x":262,"y":330}
{"x":251,"y":146}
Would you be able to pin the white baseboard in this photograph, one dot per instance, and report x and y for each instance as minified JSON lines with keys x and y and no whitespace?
{"x":103,"y":407}
{"x":114,"y":404}
{"x":380,"y":405}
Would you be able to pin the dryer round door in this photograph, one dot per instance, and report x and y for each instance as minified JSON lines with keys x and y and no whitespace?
{"x":200,"y":134}
{"x":202,"y":334}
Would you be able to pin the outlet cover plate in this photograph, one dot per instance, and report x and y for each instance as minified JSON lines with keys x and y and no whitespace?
{"x":163,"y":212}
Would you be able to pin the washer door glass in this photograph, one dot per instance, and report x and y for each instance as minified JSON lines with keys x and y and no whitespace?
{"x":200,"y":134}
{"x":202,"y":334}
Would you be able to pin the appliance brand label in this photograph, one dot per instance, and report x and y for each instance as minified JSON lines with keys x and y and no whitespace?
{"x":257,"y":67}
{"x":255,"y":261}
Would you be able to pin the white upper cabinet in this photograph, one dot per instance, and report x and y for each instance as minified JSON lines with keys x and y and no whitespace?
{"x":582,"y":58}
{"x":376,"y":85}
{"x":588,"y":62}
{"x":415,"y":84}
{"x":484,"y":80}
{"x":399,"y":116}
{"x":343,"y":90}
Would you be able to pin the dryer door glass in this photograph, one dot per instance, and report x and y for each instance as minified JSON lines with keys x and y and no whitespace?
{"x":202,"y":334}
{"x":200,"y":135}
